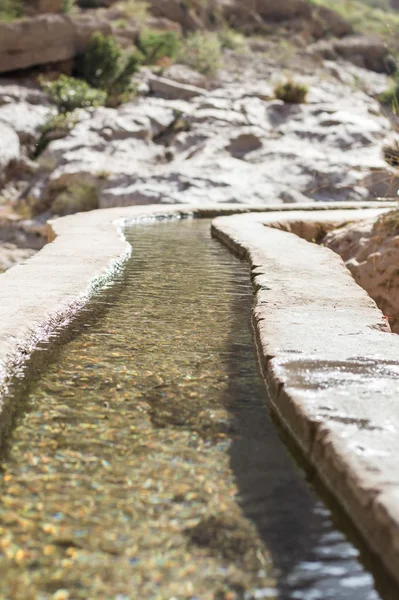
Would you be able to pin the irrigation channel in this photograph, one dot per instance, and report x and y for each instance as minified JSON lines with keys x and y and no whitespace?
{"x":141,"y":461}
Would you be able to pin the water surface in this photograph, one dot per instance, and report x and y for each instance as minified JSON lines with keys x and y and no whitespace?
{"x":143,"y":463}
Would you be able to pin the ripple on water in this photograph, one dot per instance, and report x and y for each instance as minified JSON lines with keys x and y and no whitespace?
{"x":143,"y":463}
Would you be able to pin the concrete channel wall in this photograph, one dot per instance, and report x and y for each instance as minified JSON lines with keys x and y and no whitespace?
{"x":328,"y":358}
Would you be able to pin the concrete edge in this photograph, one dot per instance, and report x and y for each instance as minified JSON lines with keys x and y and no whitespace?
{"x":331,"y":367}
{"x":47,"y":291}
{"x":38,"y":296}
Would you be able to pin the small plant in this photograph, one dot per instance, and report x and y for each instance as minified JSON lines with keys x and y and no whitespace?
{"x":56,"y":127}
{"x":79,"y":197}
{"x":105,"y":66}
{"x":156,"y":45}
{"x":11,"y":9}
{"x":391,"y":153}
{"x":232,"y":40}
{"x":391,"y":95}
{"x":68,"y":6}
{"x":133,"y":9}
{"x":291,"y":91}
{"x":202,"y":52}
{"x":69,"y":93}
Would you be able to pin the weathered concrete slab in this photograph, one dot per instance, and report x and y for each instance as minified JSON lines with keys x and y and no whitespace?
{"x":332,"y":368}
{"x":330,"y":365}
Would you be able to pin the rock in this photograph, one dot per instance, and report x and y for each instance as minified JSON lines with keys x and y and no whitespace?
{"x":46,"y":39}
{"x":331,"y":22}
{"x":11,"y":255}
{"x":11,"y":92}
{"x":183,"y":74}
{"x":370,"y":250}
{"x":9,"y":149}
{"x":25,"y":119}
{"x":176,"y":11}
{"x":36,"y":7}
{"x":282,"y":10}
{"x":166,"y":88}
{"x":230,"y":144}
{"x":363,"y":51}
{"x":367,"y":52}
{"x":369,"y":81}
{"x":25,"y":109}
{"x":253,"y":15}
{"x":243,"y":144}
{"x":162,"y":24}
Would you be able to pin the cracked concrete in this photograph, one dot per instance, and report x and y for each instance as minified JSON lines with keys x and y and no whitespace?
{"x":330,"y":365}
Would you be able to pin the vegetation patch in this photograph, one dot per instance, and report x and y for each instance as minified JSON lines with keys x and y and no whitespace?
{"x":79,"y":197}
{"x":202,"y":51}
{"x":105,"y":66}
{"x":156,"y":45}
{"x":56,"y":127}
{"x":371,"y":17}
{"x":291,"y":91}
{"x":134,"y":9}
{"x":391,"y":96}
{"x":232,"y":40}
{"x":11,"y":9}
{"x":388,"y":224}
{"x":391,"y":153}
{"x":69,"y":93}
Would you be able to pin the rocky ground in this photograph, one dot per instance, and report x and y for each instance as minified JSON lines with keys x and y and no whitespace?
{"x":370,"y":250}
{"x":188,"y":138}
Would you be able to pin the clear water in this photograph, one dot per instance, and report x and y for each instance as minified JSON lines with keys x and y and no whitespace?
{"x":142,"y":462}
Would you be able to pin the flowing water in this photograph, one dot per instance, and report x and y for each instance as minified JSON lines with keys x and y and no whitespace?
{"x":142,"y":462}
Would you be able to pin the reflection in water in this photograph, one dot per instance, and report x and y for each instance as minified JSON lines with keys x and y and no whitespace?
{"x":144,"y":463}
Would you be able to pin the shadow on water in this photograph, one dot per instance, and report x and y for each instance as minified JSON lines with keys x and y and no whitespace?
{"x":116,"y":347}
{"x":313,"y":558}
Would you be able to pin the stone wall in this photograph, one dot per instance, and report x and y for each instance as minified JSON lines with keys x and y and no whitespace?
{"x":47,"y":38}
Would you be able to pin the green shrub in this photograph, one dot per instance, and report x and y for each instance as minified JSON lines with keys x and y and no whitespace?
{"x":202,"y":51}
{"x":56,"y":127}
{"x":11,"y":9}
{"x":79,"y":197}
{"x":69,"y":93}
{"x":391,"y":95}
{"x":68,"y":6}
{"x":134,"y":9}
{"x":391,"y":153}
{"x":155,"y":45}
{"x":232,"y":40}
{"x":291,"y":91}
{"x":105,"y":66}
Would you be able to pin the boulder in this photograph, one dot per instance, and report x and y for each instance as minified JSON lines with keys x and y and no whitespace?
{"x":25,"y":119}
{"x":330,"y":22}
{"x":36,"y":7}
{"x":46,"y":39}
{"x":282,"y":10}
{"x":369,"y":52}
{"x":255,"y":13}
{"x":177,"y":11}
{"x":363,"y":51}
{"x":183,"y":74}
{"x":173,"y":90}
